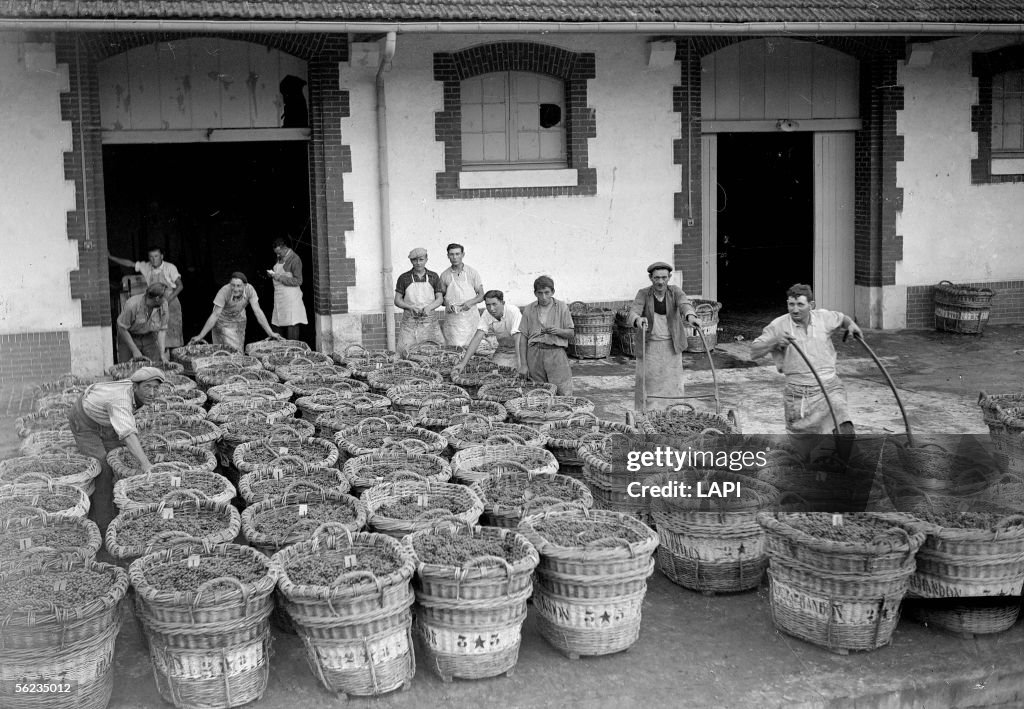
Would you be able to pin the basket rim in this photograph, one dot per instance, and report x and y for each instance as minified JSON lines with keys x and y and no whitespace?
{"x":108,"y":601}
{"x":250,"y":525}
{"x":481,"y":487}
{"x":775,"y":523}
{"x":523,"y":565}
{"x":630,"y":550}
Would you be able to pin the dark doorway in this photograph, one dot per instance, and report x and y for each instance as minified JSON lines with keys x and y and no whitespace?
{"x":765,"y":219}
{"x":213,"y":209}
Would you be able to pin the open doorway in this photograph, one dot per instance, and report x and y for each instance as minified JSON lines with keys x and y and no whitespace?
{"x":765,"y":217}
{"x":213,"y":209}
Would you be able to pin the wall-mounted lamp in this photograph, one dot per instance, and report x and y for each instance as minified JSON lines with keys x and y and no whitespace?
{"x":787,"y":125}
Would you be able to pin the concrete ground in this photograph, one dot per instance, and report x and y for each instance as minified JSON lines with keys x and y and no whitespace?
{"x":720,"y":651}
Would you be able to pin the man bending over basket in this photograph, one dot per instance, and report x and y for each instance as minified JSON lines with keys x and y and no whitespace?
{"x":103,"y":419}
{"x":804,"y":403}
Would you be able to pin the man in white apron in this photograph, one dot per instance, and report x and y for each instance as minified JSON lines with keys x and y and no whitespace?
{"x":156,"y":270}
{"x":418,"y":292}
{"x":501,"y":322}
{"x":463,"y":290}
{"x":289,"y":310}
{"x":227,"y":322}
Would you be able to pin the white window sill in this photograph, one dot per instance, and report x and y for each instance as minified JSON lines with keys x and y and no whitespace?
{"x":486,"y":179}
{"x":1007,"y":166}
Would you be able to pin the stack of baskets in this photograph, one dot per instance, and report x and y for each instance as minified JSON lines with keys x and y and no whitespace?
{"x":205,"y":610}
{"x":471,"y":593}
{"x":962,"y":309}
{"x":837,"y":581}
{"x":592,"y":578}
{"x":625,"y":334}
{"x":711,"y":543}
{"x":566,"y":435}
{"x":593,"y":331}
{"x":349,"y":597}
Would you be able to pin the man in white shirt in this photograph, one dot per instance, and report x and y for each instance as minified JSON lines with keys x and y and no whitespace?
{"x":103,"y":419}
{"x":500,"y":321}
{"x":156,"y":270}
{"x":463,"y":290}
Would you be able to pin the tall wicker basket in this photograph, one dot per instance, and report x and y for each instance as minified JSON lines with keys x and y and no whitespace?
{"x":593,"y":326}
{"x":962,"y":309}
{"x":707,"y":313}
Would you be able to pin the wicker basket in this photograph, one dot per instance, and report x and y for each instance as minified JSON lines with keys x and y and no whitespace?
{"x":469,"y":615}
{"x":608,"y":481}
{"x":210,"y":641}
{"x":163,"y":416}
{"x":288,"y":475}
{"x":62,"y":638}
{"x":164,"y":522}
{"x":316,"y":452}
{"x":253,"y":426}
{"x":410,"y":398}
{"x":152,"y":489}
{"x":401,"y":373}
{"x":48,"y":442}
{"x":710,"y":543}
{"x":289,"y":360}
{"x":392,"y":464}
{"x":305,"y":381}
{"x":328,"y":398}
{"x":683,"y":420}
{"x":46,"y":420}
{"x":516,"y":493}
{"x":478,"y":372}
{"x":991,"y":405}
{"x":68,"y":469}
{"x":962,"y":309}
{"x":588,"y":596}
{"x":269,"y":345}
{"x":965,"y":616}
{"x":124,"y":370}
{"x":472,"y":464}
{"x":272,"y":410}
{"x":437,"y":501}
{"x":201,"y":433}
{"x":237,"y":388}
{"x":41,"y":537}
{"x":478,"y":431}
{"x":59,"y":400}
{"x":220,"y":370}
{"x":357,"y":626}
{"x":506,"y":390}
{"x":832,"y":590}
{"x":34,"y":491}
{"x":435,"y":356}
{"x":540,"y":407}
{"x":179,"y":398}
{"x":124,"y":464}
{"x":565,"y":436}
{"x":928,"y":467}
{"x":186,"y":355}
{"x":327,"y":371}
{"x":363,"y":362}
{"x":1007,"y":433}
{"x":368,"y":436}
{"x":442,"y":414}
{"x":707,"y":313}
{"x":278,"y":522}
{"x":353,"y":413}
{"x":593,"y":331}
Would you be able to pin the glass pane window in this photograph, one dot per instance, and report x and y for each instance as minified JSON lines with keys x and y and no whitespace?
{"x":513,"y":119}
{"x":1008,"y":112}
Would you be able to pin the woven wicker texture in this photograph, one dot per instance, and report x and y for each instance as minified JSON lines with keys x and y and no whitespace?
{"x":40,"y":537}
{"x":267,"y":346}
{"x":316,"y":452}
{"x":205,"y":612}
{"x":511,"y":495}
{"x":566,"y":435}
{"x":478,"y":371}
{"x":35,"y":491}
{"x":136,"y":532}
{"x":274,"y":523}
{"x":46,"y":420}
{"x":593,"y":331}
{"x":592,"y":578}
{"x":162,"y":416}
{"x":124,"y":464}
{"x":477,"y":462}
{"x":363,"y":362}
{"x":961,"y":308}
{"x":368,"y":436}
{"x":539,"y":407}
{"x":419,"y":503}
{"x":57,"y":638}
{"x":154,"y":488}
{"x":401,"y":373}
{"x":507,"y":390}
{"x":1007,"y":433}
{"x":238,"y":387}
{"x":393,"y":464}
{"x":221,"y":370}
{"x":974,"y":616}
{"x":410,"y":398}
{"x":304,"y":380}
{"x":477,"y":430}
{"x":710,"y":543}
{"x":125,"y":370}
{"x":356,"y":625}
{"x":191,"y":397}
{"x":48,"y":442}
{"x":469,"y":613}
{"x":329,"y":397}
{"x":272,"y":409}
{"x":707,"y":313}
{"x":186,"y":355}
{"x":287,"y":475}
{"x":346,"y":416}
{"x":63,"y":399}
{"x":683,"y":420}
{"x":68,"y":469}
{"x":440,"y":415}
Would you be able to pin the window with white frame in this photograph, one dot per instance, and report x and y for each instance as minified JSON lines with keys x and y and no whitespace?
{"x":513,"y":120}
{"x":1008,"y":114}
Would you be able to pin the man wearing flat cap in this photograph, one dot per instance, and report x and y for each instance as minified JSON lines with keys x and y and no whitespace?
{"x":662,"y":312}
{"x":103,"y":419}
{"x":142,"y":325}
{"x":419,"y":293}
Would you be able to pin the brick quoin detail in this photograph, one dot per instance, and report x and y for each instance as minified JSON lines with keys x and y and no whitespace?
{"x":877,"y":150}
{"x":572,"y":67}
{"x":687,"y":203}
{"x":985,"y":65}
{"x":34,"y":356}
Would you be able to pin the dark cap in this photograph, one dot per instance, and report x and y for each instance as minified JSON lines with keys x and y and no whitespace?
{"x":156,"y":290}
{"x":657,"y":265}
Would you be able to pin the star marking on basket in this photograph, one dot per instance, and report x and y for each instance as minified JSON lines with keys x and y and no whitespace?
{"x":479,"y":642}
{"x":606,"y":617}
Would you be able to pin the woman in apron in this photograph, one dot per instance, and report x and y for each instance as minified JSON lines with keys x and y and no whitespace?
{"x":289,"y":310}
{"x":228,"y":321}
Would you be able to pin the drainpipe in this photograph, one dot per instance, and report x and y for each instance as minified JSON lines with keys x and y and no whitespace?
{"x":387,"y":283}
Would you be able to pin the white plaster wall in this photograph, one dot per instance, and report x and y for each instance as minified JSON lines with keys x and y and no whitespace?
{"x":91,"y":353}
{"x":595,"y":247}
{"x":951,"y":229}
{"x":35,"y":290}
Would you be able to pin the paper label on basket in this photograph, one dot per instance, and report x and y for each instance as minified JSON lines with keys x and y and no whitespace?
{"x":465,"y":409}
{"x":60,"y":585}
{"x":378,"y":365}
{"x":199,"y":665}
{"x":283,"y":450}
{"x":192,"y":561}
{"x":421,"y":500}
{"x":350,"y":561}
{"x":167,"y":513}
{"x":597,"y":614}
{"x":278,"y":473}
{"x":175,"y":481}
{"x":303,"y":510}
{"x":359,"y":653}
{"x":24,"y":544}
{"x":595,"y":428}
{"x":837,"y":520}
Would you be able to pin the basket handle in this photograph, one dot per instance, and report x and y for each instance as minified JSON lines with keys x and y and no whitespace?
{"x":169,"y":466}
{"x":514,"y":465}
{"x":1009,"y":521}
{"x":410,"y":445}
{"x":360,"y":351}
{"x":505,"y":438}
{"x":161,"y":537}
{"x":372,"y":423}
{"x":329,"y":528}
{"x":229,"y":580}
{"x":433,"y":513}
{"x":283,"y":429}
{"x":310,"y":485}
{"x":30,"y":512}
{"x":189,"y":493}
{"x":31,"y":476}
{"x":486,"y":559}
{"x":474,"y":421}
{"x":289,"y":458}
{"x":681,"y":404}
{"x":155,"y":440}
{"x":408,"y":475}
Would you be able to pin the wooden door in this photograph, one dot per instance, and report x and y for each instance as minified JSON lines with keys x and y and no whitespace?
{"x":834,"y":221}
{"x":709,"y":216}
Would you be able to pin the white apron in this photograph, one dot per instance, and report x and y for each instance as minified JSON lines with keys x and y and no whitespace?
{"x":459,"y":328}
{"x":288,"y":307}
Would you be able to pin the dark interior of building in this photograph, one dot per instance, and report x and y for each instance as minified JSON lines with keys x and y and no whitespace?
{"x":214,"y":209}
{"x":765,"y":220}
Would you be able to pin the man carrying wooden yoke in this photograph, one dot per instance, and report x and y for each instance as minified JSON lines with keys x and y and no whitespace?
{"x":661,"y":312}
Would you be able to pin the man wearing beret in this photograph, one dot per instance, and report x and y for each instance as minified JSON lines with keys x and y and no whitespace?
{"x":662,"y":312}
{"x":419,"y":293}
{"x":103,"y":419}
